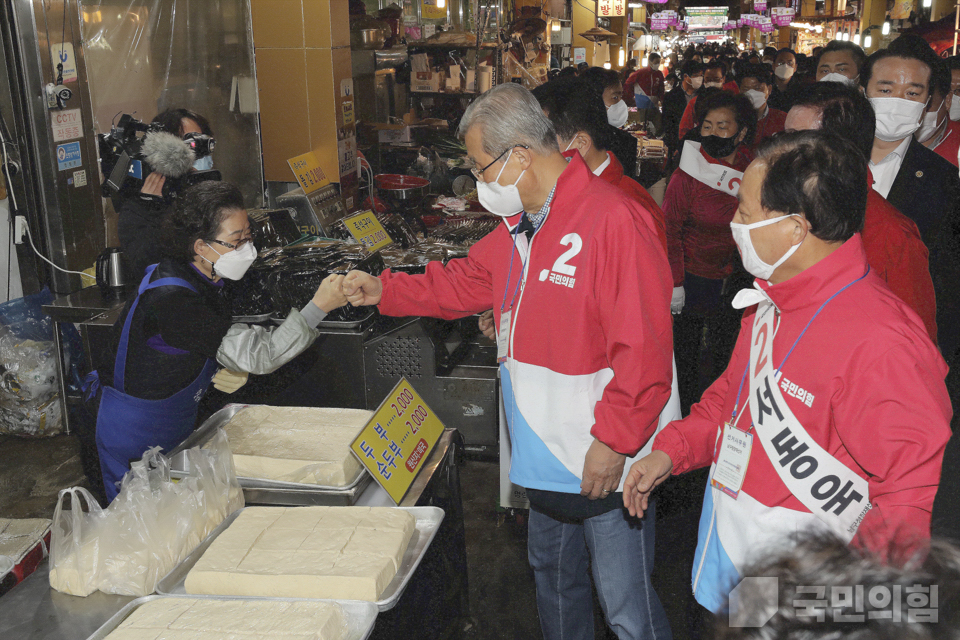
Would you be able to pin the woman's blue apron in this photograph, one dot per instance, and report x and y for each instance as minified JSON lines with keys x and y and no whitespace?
{"x":128,"y":426}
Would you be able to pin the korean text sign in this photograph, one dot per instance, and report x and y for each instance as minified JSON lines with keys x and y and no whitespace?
{"x":367,"y":230}
{"x":398,"y":439}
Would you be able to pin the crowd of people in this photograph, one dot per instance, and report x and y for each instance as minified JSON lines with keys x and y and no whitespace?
{"x":806,"y":244}
{"x":781,"y":311}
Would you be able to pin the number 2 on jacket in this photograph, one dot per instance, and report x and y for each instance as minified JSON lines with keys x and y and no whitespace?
{"x":576,"y":244}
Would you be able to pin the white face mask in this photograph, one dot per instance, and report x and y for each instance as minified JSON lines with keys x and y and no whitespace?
{"x":503,"y":201}
{"x":617,"y":114}
{"x":713,"y":85}
{"x":204,"y":164}
{"x":897,"y":118}
{"x":696,"y":83}
{"x":784,"y":71}
{"x":955,"y":108}
{"x":757,"y":98}
{"x":752,"y":262}
{"x":668,"y":86}
{"x":839,"y":77}
{"x":928,"y":126}
{"x":234,"y":264}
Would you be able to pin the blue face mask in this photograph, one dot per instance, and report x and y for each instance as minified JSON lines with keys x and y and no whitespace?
{"x":204,"y":164}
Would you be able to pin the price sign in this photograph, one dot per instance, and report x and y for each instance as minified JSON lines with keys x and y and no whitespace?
{"x":397,"y":439}
{"x":367,"y":230}
{"x":308,"y":172}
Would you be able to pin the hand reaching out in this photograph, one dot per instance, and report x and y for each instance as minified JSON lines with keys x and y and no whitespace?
{"x":362,"y":289}
{"x":645,"y":474}
{"x":486,"y":325}
{"x":329,"y":295}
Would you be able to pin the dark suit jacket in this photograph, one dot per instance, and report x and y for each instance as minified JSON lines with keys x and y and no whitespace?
{"x":927,"y":190}
{"x":624,"y":146}
{"x":674,"y":104}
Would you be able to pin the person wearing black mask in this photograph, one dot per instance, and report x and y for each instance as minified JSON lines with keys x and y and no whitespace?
{"x":699,"y":204}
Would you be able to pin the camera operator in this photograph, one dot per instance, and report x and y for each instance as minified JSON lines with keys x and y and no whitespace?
{"x":140,"y":215}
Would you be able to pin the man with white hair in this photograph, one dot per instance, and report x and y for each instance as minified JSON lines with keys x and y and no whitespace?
{"x":580,"y":287}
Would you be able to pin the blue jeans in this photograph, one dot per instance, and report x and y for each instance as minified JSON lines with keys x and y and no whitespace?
{"x":618,"y":550}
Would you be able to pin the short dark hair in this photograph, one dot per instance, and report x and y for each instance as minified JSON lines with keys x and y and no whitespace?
{"x":927,"y":57}
{"x":172,"y":121}
{"x":652,"y":57}
{"x":939,"y":73}
{"x":787,"y":50}
{"x":771,"y":51}
{"x":574,"y":106}
{"x":690,"y":68}
{"x":716,"y":63}
{"x":199,"y":213}
{"x":819,"y":175}
{"x":601,"y":78}
{"x":743,"y":111}
{"x":759,"y":71}
{"x":842,"y":45}
{"x":844,"y":111}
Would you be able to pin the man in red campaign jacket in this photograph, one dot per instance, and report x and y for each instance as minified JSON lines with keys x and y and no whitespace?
{"x":891,"y":240}
{"x":579,"y":118}
{"x":832,"y":415}
{"x":580,"y":288}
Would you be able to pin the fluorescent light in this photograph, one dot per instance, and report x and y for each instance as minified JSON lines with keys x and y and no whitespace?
{"x":867,"y":41}
{"x":885,"y":30}
{"x":856,"y":38}
{"x":623,"y":57}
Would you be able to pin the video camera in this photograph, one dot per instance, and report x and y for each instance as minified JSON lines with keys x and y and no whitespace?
{"x":133,"y":150}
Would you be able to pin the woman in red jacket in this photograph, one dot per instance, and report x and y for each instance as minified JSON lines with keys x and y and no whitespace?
{"x":699,"y":204}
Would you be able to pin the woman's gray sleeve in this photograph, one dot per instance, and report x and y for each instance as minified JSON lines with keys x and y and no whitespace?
{"x":260,"y":350}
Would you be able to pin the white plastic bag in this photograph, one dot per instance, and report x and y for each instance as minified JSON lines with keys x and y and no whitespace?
{"x":148,"y":529}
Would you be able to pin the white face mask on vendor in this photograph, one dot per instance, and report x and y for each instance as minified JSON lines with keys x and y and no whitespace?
{"x":234,"y":264}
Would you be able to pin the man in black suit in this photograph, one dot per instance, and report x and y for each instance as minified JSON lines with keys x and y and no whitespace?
{"x":675,"y":102}
{"x":921,"y":184}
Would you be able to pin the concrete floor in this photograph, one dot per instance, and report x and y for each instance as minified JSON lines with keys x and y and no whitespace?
{"x":502,"y":594}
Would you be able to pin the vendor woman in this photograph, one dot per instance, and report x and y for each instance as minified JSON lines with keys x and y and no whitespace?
{"x":178,"y":332}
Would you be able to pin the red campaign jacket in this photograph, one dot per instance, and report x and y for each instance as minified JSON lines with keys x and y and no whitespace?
{"x":698,"y":224}
{"x":769,"y":125}
{"x":949,"y":147}
{"x":614,"y":175}
{"x":611,"y":325}
{"x":650,"y":81}
{"x":897,"y":254}
{"x":879,"y":406}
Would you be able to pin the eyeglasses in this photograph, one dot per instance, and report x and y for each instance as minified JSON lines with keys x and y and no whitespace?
{"x":240,"y":244}
{"x":478,"y":173}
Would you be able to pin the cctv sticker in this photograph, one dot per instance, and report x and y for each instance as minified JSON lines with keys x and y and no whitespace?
{"x":66,"y":125}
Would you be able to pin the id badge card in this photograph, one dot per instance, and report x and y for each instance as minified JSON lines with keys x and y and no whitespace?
{"x":503,"y":335}
{"x":733,"y":459}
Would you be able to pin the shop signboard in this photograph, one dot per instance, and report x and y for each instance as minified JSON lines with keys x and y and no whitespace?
{"x":659,"y":22}
{"x":611,"y":8}
{"x":308,"y":172}
{"x":765,"y":25}
{"x":579,"y":55}
{"x":430,"y":11}
{"x":398,"y":439}
{"x":759,"y":5}
{"x":367,"y":231}
{"x":701,"y":18}
{"x":782,"y":16}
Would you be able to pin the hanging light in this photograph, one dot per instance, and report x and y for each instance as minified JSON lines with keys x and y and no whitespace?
{"x":846,"y":37}
{"x":606,"y":65}
{"x":555,"y":26}
{"x":885,"y":30}
{"x":867,"y":41}
{"x":623,"y":57}
{"x":441,"y":4}
{"x":856,"y":38}
{"x":927,"y":3}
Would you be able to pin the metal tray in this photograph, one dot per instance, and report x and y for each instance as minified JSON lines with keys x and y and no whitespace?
{"x":360,"y":616}
{"x":262,"y":491}
{"x":428,"y":522}
{"x":277,"y":318}
{"x":263,"y":317}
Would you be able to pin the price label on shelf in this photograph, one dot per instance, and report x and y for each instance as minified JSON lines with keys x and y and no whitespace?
{"x":398,"y":439}
{"x":367,"y":230}
{"x":308,"y":172}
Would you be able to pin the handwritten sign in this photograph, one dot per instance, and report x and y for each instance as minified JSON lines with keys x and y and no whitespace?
{"x":397,"y":439}
{"x":367,"y":230}
{"x":308,"y":172}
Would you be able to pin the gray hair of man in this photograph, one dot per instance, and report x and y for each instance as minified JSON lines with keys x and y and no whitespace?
{"x":508,"y":115}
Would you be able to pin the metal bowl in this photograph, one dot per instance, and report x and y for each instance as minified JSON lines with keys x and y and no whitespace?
{"x":367,"y":38}
{"x":395,"y":186}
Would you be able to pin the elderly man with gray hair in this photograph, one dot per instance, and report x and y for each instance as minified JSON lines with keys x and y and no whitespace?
{"x":580,"y":287}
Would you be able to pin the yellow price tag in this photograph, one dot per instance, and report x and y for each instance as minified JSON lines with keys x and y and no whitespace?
{"x":398,"y":439}
{"x":429,"y":10}
{"x":367,"y":230}
{"x":308,"y":172}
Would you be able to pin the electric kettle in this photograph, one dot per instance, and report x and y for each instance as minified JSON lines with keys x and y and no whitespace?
{"x":110,"y":270}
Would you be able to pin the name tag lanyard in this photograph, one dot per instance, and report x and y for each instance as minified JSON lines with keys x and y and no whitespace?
{"x":733,"y":458}
{"x":503,"y":334}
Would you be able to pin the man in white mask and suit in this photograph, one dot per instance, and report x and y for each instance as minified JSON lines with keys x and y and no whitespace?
{"x":918,"y":182}
{"x":580,"y":288}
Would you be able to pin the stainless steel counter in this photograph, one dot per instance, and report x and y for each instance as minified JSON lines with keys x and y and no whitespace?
{"x":34,"y":611}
